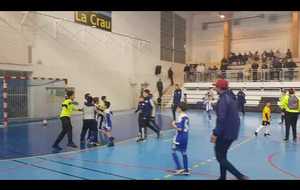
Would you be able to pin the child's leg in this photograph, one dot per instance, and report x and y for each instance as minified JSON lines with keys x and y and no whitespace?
{"x":267,"y":128}
{"x":185,"y":160}
{"x":176,"y":160}
{"x":259,"y":128}
{"x":209,"y":114}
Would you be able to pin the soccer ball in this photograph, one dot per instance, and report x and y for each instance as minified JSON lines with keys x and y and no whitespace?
{"x":45,"y":122}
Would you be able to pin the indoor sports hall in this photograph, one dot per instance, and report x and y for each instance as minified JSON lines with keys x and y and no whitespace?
{"x":149,"y":95}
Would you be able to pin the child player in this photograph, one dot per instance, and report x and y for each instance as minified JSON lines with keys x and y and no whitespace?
{"x":266,"y":115}
{"x":141,"y":122}
{"x":107,"y":114}
{"x":180,"y":140}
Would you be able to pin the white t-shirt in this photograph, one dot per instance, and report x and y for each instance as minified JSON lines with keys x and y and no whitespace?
{"x":89,"y":112}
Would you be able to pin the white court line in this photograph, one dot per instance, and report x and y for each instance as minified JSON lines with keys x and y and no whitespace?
{"x":83,"y":150}
{"x":202,"y":163}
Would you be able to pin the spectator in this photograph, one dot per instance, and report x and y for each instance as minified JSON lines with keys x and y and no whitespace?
{"x":264,"y":68}
{"x":170,"y":75}
{"x":240,"y":59}
{"x":223,"y":69}
{"x":226,"y":130}
{"x":241,"y":97}
{"x":187,"y":72}
{"x":200,"y":69}
{"x":289,"y":54}
{"x":290,"y":65}
{"x":160,"y":88}
{"x":277,"y":54}
{"x":254,"y":68}
{"x":277,"y":68}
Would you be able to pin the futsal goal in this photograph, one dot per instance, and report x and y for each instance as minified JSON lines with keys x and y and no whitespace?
{"x":27,"y":99}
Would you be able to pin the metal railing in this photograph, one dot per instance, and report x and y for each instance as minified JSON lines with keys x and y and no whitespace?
{"x":251,"y":75}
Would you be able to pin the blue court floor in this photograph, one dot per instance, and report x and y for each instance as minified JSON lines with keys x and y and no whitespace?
{"x":26,"y":152}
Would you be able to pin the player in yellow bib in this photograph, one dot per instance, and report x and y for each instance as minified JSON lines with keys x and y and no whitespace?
{"x":65,"y":117}
{"x":266,"y":120}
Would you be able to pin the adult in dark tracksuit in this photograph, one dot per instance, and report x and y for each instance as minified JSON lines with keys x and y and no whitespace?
{"x":65,"y":117}
{"x":241,"y":97}
{"x":227,"y":129}
{"x":177,"y":96}
{"x":148,"y":113}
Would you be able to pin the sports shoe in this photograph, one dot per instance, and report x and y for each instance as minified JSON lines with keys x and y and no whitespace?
{"x":285,"y":140}
{"x":139,"y":139}
{"x":255,"y":133}
{"x":57,"y":147}
{"x":185,"y":172}
{"x":158,"y":134}
{"x":178,"y":171}
{"x":72,"y":145}
{"x":110,"y":144}
{"x":245,"y":178}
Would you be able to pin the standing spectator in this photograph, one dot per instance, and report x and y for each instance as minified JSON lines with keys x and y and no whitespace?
{"x":170,"y":75}
{"x":264,"y":68}
{"x":160,"y":88}
{"x":291,"y":106}
{"x":254,"y":67}
{"x":289,"y":54}
{"x":177,"y":97}
{"x":241,"y":97}
{"x":223,"y":69}
{"x":290,"y":65}
{"x":226,"y":130}
{"x":200,"y":70}
{"x":187,"y":72}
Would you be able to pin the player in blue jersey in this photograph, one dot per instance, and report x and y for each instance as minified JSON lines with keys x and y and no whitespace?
{"x":180,"y":140}
{"x":108,"y":124}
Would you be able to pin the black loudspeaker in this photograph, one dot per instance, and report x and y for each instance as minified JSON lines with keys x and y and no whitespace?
{"x":157,"y":69}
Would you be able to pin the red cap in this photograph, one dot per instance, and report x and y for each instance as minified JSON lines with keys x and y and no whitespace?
{"x":221,"y":83}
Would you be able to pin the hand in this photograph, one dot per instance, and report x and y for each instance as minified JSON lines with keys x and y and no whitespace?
{"x":173,"y":124}
{"x":213,"y":139}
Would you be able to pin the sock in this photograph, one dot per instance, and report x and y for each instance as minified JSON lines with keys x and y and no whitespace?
{"x":185,"y":162}
{"x":175,"y":158}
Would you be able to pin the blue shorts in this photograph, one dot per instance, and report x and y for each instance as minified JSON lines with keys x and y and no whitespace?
{"x":179,"y":146}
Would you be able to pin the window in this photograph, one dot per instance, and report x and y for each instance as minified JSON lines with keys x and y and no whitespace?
{"x":173,"y":30}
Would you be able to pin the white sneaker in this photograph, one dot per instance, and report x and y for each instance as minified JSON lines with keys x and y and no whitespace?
{"x":178,"y":172}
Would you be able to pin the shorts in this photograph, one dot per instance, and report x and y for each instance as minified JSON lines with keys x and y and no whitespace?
{"x":264,"y":123}
{"x":176,"y":146}
{"x":107,"y":128}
